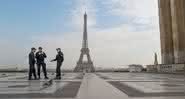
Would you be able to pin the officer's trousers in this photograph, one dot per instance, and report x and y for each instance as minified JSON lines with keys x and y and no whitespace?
{"x":58,"y":70}
{"x":43,"y":65}
{"x":32,"y":71}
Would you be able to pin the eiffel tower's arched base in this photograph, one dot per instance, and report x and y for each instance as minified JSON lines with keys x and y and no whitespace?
{"x":84,"y":67}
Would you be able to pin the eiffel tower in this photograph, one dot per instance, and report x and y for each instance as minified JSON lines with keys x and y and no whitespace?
{"x":84,"y":66}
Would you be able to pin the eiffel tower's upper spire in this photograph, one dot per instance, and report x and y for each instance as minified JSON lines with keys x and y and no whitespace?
{"x":85,"y":41}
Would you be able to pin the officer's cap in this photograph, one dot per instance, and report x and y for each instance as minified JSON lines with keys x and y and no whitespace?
{"x":33,"y":48}
{"x":40,"y":47}
{"x":58,"y":49}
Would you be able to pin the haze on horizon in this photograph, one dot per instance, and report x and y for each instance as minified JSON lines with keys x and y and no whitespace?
{"x":120,"y":32}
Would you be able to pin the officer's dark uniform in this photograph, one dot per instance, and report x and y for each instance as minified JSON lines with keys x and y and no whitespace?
{"x":40,"y":56}
{"x":32,"y":66}
{"x":59,"y":58}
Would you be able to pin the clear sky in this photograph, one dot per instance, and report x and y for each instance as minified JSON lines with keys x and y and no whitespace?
{"x":120,"y":32}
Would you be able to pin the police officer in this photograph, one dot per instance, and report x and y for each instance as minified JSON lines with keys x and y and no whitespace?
{"x":32,"y":64}
{"x":40,"y":56}
{"x":59,"y":58}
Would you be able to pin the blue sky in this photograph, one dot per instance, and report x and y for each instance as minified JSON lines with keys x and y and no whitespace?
{"x":122,"y":29}
{"x":34,"y":16}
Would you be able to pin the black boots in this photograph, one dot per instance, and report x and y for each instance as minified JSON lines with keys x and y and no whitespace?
{"x":58,"y":78}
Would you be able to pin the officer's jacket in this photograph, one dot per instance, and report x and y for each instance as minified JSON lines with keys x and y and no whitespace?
{"x":40,"y":57}
{"x":31,"y":58}
{"x":59,"y":57}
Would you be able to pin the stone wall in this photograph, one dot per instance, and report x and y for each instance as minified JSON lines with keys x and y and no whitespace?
{"x":171,"y":68}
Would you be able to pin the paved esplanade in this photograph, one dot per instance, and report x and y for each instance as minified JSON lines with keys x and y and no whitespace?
{"x":94,"y":86}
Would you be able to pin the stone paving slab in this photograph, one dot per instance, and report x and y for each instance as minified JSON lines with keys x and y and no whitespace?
{"x":68,"y":91}
{"x":146,"y":85}
{"x":134,"y":92}
{"x":17,"y":86}
{"x":94,"y":86}
{"x":141,"y":77}
{"x":157,"y":86}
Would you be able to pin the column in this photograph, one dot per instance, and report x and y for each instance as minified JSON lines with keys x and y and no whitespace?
{"x":178,"y":26}
{"x":166,"y":32}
